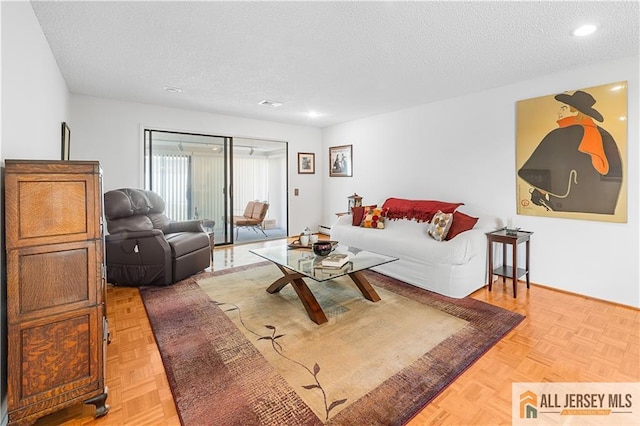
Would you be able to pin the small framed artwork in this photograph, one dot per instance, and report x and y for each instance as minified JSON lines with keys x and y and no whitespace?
{"x":341,"y":161}
{"x":66,"y":141}
{"x":306,"y":163}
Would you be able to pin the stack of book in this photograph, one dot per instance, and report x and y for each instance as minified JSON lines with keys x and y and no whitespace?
{"x":335,"y":260}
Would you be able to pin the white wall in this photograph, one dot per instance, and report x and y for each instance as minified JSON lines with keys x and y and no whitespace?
{"x":111,"y":132}
{"x":35,"y":98}
{"x":34,"y":102}
{"x":463,"y":149}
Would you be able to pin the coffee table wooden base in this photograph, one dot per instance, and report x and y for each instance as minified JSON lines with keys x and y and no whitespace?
{"x":313,"y":308}
{"x":365,"y":288}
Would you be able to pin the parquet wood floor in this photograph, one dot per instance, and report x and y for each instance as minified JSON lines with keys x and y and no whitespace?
{"x":565,"y":337}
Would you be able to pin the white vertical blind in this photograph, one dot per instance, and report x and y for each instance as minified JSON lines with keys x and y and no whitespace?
{"x":170,"y":181}
{"x":207,"y":187}
{"x":250,"y":181}
{"x":180,"y":177}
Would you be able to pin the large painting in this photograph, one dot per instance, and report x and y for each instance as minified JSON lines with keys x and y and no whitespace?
{"x":571,"y":154}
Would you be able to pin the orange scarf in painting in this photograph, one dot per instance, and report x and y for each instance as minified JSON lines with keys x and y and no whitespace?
{"x":591,"y":142}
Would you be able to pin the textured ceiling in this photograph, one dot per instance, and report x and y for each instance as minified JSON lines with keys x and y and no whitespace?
{"x":345,"y":60}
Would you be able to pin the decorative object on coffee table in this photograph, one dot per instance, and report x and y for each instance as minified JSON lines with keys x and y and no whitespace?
{"x":335,"y":260}
{"x":297,"y":245}
{"x":322,"y":248}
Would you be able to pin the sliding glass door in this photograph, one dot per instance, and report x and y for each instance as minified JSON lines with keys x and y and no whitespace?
{"x":212,"y":178}
{"x":260,"y":174}
{"x":192,"y":174}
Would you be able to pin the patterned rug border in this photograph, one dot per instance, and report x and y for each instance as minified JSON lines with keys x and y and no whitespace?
{"x":395,"y":401}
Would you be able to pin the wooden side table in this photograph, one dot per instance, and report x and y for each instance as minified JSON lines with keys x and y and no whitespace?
{"x":501,"y":236}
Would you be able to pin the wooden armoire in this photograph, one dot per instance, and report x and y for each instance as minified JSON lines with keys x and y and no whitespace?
{"x":56,"y":318}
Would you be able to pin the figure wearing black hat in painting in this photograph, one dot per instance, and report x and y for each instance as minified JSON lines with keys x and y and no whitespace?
{"x":577,"y":167}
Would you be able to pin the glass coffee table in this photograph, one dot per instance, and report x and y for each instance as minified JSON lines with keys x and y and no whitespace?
{"x":299,"y":263}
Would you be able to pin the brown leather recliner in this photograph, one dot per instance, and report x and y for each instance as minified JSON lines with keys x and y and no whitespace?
{"x":144,"y":247}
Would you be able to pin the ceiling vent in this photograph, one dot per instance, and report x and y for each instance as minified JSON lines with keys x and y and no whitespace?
{"x":271,"y":104}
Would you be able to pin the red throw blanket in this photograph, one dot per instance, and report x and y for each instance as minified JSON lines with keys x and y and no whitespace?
{"x":420,"y":210}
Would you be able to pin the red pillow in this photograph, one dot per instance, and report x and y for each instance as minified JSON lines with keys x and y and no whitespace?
{"x":357,"y":213}
{"x":461,"y":222}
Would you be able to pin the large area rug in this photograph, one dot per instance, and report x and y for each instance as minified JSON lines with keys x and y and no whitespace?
{"x":237,"y":355}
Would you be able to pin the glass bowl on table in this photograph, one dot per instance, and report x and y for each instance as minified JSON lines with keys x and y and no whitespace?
{"x":322,"y":248}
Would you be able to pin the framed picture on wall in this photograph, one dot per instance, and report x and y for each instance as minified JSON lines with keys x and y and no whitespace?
{"x":571,"y":154}
{"x":341,"y":161}
{"x":66,"y":141}
{"x":306,"y":163}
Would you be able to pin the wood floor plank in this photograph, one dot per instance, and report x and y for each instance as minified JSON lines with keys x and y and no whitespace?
{"x":564,"y":338}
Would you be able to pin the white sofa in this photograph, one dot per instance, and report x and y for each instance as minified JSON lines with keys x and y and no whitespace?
{"x":454,"y":268}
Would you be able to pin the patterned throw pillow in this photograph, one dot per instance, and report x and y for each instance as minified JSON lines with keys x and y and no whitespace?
{"x":439,"y":226}
{"x":357,"y":213}
{"x":374,"y":217}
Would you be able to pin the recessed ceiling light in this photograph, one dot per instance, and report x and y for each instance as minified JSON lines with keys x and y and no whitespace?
{"x":584,"y":30}
{"x":272,"y":104}
{"x":171,"y":89}
{"x":313,"y":114}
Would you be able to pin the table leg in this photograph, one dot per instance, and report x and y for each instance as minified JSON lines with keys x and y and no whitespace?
{"x":490,"y":251}
{"x":365,"y":288}
{"x":311,"y":305}
{"x":514,"y":271}
{"x":504,"y":261}
{"x":288,"y":277}
{"x":527,"y":262}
